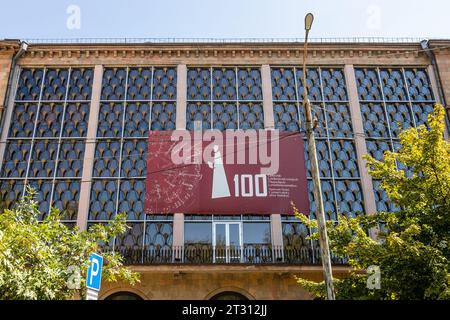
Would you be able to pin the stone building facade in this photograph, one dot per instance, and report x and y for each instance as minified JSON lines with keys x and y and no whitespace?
{"x":76,"y":120}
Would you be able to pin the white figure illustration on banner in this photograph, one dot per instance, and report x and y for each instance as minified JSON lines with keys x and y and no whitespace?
{"x":220,"y":187}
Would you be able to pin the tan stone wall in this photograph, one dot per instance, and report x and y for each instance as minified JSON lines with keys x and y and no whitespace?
{"x":5,"y":66}
{"x":203,"y":282}
{"x":443,"y":61}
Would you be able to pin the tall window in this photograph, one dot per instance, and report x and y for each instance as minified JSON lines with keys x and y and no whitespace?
{"x":257,"y":239}
{"x":391,"y":99}
{"x":46,"y":139}
{"x":339,"y":174}
{"x":296,"y":247}
{"x":198,"y":239}
{"x":134,"y":100}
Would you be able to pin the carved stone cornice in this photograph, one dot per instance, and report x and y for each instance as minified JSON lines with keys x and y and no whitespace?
{"x":222,"y":53}
{"x":9,"y":45}
{"x":241,"y":50}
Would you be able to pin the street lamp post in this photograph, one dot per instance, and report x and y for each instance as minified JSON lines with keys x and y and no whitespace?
{"x":320,"y":212}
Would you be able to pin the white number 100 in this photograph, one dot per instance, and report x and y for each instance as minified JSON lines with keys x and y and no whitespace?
{"x":253,"y":183}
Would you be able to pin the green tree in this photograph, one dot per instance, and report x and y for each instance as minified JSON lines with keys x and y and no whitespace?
{"x":42,"y":260}
{"x":412,"y":245}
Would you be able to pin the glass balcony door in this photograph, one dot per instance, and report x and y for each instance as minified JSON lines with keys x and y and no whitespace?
{"x":227,"y":242}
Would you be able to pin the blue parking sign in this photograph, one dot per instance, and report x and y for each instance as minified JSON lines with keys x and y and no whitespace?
{"x":94,"y":274}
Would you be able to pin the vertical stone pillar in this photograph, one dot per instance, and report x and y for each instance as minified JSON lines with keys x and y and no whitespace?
{"x":360,"y":142}
{"x":437,"y":96}
{"x":276,"y":230}
{"x":8,"y":112}
{"x":89,"y":152}
{"x":178,"y":218}
{"x":181,"y":96}
{"x":178,"y":236}
{"x":269,"y":122}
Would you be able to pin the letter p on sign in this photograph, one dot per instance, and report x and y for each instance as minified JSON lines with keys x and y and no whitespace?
{"x":94,"y":274}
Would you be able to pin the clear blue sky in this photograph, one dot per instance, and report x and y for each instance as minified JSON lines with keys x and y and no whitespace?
{"x":223,"y":18}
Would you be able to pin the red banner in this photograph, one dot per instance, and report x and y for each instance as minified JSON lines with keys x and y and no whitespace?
{"x":230,"y":172}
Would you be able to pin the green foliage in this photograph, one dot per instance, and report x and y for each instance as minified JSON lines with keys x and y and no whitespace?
{"x":40,"y":260}
{"x":412,"y":245}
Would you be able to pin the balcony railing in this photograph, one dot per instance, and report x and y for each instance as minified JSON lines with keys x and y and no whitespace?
{"x":207,"y":254}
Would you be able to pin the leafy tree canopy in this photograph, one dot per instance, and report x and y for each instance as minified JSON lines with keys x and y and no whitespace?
{"x":412,"y":244}
{"x":46,"y":259}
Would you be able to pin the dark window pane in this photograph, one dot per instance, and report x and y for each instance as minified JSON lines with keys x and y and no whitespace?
{"x":294,"y":235}
{"x":197,"y":233}
{"x":159,"y":235}
{"x":131,"y":239}
{"x":30,"y":83}
{"x":256,"y":233}
{"x":221,"y":235}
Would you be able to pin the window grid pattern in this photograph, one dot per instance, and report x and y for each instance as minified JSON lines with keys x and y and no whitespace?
{"x":151,"y":237}
{"x":391,"y":99}
{"x":158,"y":235}
{"x":224,"y":98}
{"x":336,"y":151}
{"x":134,"y":100}
{"x":295,"y":235}
{"x":46,"y":139}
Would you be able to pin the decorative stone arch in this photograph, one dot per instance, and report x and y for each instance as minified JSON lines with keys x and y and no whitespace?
{"x":113,"y":291}
{"x":230,"y":289}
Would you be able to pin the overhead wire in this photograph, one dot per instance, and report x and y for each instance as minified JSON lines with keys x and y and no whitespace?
{"x":60,"y":141}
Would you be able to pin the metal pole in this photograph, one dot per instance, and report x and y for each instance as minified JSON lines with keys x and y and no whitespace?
{"x":320,"y":212}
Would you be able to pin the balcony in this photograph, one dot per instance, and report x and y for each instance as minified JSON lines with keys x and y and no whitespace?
{"x":207,"y":254}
